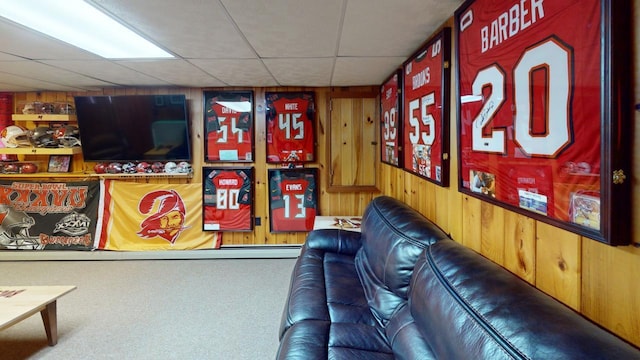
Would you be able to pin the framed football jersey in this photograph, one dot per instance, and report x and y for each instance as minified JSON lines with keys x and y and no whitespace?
{"x":544,"y":101}
{"x":293,"y":199}
{"x":390,"y":127}
{"x":425,"y":122}
{"x":228,"y":125}
{"x":227,"y":199}
{"x":291,"y":120}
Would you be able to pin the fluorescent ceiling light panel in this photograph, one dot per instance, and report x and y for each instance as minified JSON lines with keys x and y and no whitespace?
{"x":82,"y":25}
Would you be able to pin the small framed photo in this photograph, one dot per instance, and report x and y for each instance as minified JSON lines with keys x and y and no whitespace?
{"x":59,"y":163}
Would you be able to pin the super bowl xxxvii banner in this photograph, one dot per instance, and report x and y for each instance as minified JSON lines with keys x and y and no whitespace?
{"x":138,"y":216}
{"x":48,"y":215}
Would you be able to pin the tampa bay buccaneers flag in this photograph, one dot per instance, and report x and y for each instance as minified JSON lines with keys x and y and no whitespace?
{"x":153,"y":217}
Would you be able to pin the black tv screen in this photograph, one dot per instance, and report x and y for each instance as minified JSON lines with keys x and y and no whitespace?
{"x":134,"y":128}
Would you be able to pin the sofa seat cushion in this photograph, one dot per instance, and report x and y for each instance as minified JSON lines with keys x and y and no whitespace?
{"x":317,"y":339}
{"x":468,"y":307}
{"x":393,"y":236}
{"x":325,"y":286}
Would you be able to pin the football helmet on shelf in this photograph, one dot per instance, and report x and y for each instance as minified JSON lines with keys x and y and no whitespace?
{"x":129,"y":168}
{"x":144,"y":167}
{"x":42,"y":136}
{"x":14,"y":136}
{"x":184,"y":167}
{"x":67,"y":136}
{"x":170,"y":167}
{"x":114,"y":168}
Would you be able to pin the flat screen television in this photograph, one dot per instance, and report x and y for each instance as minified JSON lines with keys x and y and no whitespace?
{"x":134,"y":128}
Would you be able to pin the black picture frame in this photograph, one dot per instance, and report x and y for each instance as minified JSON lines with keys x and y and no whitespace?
{"x":293,"y":199}
{"x":227,"y":198}
{"x":426,"y":103}
{"x":561,"y":158}
{"x":229,"y":126}
{"x":391,"y":120}
{"x":291,"y":127}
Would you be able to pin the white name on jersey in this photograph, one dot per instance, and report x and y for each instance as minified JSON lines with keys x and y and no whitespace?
{"x":519,"y":17}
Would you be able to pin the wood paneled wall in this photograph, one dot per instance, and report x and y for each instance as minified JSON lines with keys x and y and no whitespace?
{"x":343,"y":203}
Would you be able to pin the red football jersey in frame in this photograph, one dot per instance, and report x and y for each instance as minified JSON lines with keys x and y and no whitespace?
{"x":228,"y":122}
{"x":293,"y":199}
{"x":227,"y":199}
{"x":390,"y":129}
{"x":530,"y":104}
{"x":290,"y":127}
{"x":426,"y":110}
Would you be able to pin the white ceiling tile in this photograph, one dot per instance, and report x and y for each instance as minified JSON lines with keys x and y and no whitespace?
{"x":176,"y":72}
{"x":391,"y":28}
{"x":301,"y":72}
{"x":190,"y":29}
{"x":240,"y":72}
{"x":20,"y":41}
{"x":107,"y":71}
{"x":33,"y":84}
{"x":14,"y":87}
{"x":36,"y":70}
{"x":352,"y":71}
{"x":281,"y":28}
{"x":9,"y":57}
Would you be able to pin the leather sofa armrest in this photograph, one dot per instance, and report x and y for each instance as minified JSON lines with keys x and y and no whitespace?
{"x":335,"y":240}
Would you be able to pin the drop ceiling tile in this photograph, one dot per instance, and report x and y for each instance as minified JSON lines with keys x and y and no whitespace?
{"x":176,"y":72}
{"x":107,"y":71}
{"x":13,"y":87}
{"x":301,"y":72}
{"x":36,"y":85}
{"x":242,"y":72}
{"x":190,"y":29}
{"x":9,"y":57}
{"x":391,"y":28}
{"x":280,"y":28}
{"x":352,"y":71}
{"x":47,"y":73}
{"x":30,"y":44}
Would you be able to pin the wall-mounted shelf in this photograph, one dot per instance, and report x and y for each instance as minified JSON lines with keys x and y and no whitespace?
{"x":100,"y":176}
{"x":144,"y":175}
{"x":44,"y":117}
{"x":41,"y":151}
{"x":48,"y":175}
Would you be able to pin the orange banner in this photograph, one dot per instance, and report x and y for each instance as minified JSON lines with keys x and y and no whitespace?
{"x":139,"y":217}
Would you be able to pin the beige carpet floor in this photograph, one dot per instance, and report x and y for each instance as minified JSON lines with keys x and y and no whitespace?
{"x":153,"y":309}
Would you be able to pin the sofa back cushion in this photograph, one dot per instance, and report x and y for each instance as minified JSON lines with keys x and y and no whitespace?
{"x":393,"y":236}
{"x":468,"y":307}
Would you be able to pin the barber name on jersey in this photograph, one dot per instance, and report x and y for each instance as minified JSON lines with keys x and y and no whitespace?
{"x":520,"y":16}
